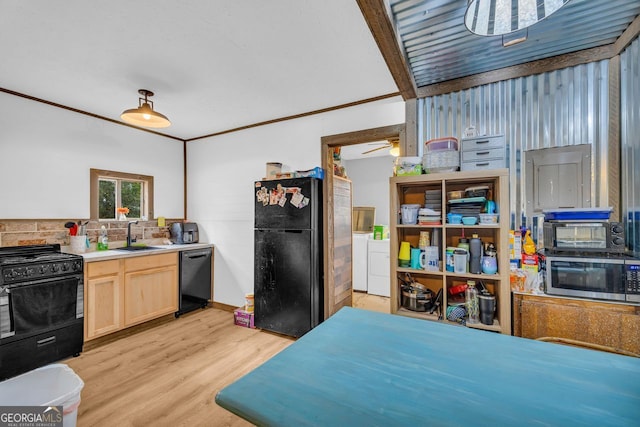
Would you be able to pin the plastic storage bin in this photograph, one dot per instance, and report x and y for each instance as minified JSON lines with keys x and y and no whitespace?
{"x":51,"y":385}
{"x":577,"y":214}
{"x":441,"y":155}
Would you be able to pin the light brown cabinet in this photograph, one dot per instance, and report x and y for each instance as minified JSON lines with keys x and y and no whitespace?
{"x":125,"y":292}
{"x":412,"y":190}
{"x":103,"y":299}
{"x":150,"y":287}
{"x":607,"y":324}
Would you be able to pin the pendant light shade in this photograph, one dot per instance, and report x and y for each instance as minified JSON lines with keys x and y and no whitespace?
{"x":499,"y":17}
{"x":145,"y":115}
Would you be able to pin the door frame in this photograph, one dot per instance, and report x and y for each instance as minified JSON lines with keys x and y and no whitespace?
{"x":327,"y":144}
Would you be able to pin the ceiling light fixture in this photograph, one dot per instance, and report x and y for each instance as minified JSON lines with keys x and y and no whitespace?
{"x":499,"y":17}
{"x":395,"y":149}
{"x":144,"y":115}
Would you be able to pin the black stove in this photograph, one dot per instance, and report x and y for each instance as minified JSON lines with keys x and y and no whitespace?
{"x":36,"y":262}
{"x":41,"y":307}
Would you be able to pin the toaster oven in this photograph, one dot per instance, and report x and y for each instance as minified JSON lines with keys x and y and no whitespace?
{"x":578,"y":237}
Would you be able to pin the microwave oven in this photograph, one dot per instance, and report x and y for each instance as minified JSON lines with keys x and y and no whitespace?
{"x":605,"y":278}
{"x":580,"y":237}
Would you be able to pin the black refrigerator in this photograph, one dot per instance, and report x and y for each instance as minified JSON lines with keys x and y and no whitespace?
{"x":288,"y":270}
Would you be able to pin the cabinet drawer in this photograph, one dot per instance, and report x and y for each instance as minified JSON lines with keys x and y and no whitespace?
{"x":102,"y":268}
{"x":483,"y":164}
{"x":480,"y":155}
{"x":150,"y":261}
{"x":483,"y":143}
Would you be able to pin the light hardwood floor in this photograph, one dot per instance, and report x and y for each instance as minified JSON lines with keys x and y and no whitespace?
{"x":169,"y":375}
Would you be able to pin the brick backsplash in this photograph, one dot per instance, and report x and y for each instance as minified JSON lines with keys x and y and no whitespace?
{"x":20,"y":232}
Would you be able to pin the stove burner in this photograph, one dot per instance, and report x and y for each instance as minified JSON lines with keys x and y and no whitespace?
{"x":24,"y":263}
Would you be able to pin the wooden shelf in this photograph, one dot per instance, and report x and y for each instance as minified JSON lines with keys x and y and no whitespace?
{"x":412,"y":190}
{"x":419,"y":271}
{"x":435,"y":318}
{"x":418,"y":314}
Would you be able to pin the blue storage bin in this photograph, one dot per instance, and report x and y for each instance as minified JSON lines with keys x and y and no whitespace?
{"x":578,"y":214}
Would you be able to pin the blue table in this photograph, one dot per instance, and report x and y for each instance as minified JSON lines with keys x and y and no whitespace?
{"x":362,"y":368}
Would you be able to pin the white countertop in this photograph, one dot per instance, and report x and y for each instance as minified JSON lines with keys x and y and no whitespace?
{"x":116,"y":254}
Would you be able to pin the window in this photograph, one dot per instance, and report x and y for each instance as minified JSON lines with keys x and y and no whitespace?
{"x":114,"y":191}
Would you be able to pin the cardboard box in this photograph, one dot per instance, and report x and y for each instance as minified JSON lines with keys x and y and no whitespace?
{"x":515,"y":244}
{"x":530,"y":262}
{"x":380,"y":232}
{"x":243,"y":318}
{"x":407,"y":166}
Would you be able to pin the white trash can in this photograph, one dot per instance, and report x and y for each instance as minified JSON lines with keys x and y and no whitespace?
{"x":51,"y":385}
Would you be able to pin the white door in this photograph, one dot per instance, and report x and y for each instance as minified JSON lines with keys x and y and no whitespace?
{"x":378,"y":281}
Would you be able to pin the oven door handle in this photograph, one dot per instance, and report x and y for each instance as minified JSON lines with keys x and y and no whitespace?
{"x":7,"y":328}
{"x":46,"y":341}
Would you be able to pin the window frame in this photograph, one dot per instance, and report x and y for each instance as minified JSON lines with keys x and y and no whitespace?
{"x":147,"y":191}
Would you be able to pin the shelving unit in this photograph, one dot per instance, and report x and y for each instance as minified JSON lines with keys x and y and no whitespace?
{"x":411,"y":189}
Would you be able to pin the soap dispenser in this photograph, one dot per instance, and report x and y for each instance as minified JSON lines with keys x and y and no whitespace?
{"x":103,"y":240}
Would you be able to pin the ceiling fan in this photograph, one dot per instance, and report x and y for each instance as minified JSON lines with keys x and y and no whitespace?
{"x":393,"y":144}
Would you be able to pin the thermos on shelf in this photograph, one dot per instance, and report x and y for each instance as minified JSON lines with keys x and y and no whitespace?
{"x":475,"y":255}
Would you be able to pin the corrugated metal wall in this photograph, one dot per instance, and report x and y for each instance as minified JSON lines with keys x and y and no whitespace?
{"x":555,"y":109}
{"x":630,"y":142}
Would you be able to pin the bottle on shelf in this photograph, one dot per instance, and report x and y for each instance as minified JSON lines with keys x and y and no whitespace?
{"x":489,"y":261}
{"x":463,"y":243}
{"x":424,"y":240}
{"x":471,"y":301}
{"x":475,"y":255}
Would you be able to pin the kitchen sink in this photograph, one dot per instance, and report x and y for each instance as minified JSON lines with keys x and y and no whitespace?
{"x":136,"y":248}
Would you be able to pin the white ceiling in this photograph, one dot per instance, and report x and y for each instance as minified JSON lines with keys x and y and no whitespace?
{"x":214,"y":65}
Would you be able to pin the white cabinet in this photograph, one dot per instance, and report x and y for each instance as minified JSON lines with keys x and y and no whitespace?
{"x":379,"y":268}
{"x":360,"y":263}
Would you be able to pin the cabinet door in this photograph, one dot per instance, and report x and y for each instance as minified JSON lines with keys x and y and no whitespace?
{"x":103,"y":305}
{"x":612,"y":325}
{"x":150,"y":294}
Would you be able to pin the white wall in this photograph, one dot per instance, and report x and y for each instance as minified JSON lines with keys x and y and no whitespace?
{"x":221,"y":172}
{"x":46,"y":153}
{"x":370,"y":184}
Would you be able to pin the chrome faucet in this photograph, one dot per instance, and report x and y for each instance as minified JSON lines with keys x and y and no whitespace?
{"x":129,"y":240}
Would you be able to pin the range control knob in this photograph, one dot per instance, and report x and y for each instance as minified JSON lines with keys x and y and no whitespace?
{"x":618,"y":241}
{"x":617,"y":229}
{"x":55,"y":268}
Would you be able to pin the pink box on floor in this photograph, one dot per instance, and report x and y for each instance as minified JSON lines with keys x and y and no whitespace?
{"x":243,"y":318}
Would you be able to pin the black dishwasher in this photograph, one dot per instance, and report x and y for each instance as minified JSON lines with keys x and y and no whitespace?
{"x":195,"y":279}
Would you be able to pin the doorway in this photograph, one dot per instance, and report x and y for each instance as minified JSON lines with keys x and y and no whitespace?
{"x":337,"y":272}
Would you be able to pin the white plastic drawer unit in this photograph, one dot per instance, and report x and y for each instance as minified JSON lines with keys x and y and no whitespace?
{"x":483,"y":143}
{"x":487,"y":152}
